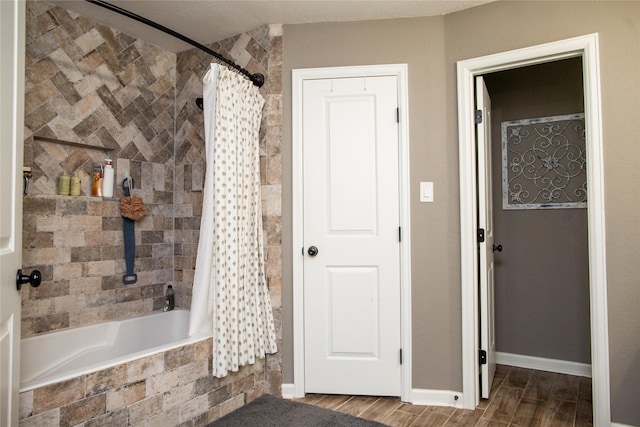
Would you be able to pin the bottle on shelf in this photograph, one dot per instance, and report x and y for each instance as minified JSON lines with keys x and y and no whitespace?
{"x":107,"y":179}
{"x":63,"y":184}
{"x":75,"y":188}
{"x":96,"y":180}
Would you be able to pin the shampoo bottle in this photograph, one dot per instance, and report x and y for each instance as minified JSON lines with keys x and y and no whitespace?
{"x":63,"y":185}
{"x":107,"y":179}
{"x":75,"y":186}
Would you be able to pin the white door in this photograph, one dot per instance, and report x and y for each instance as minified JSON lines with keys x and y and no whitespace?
{"x":351,"y":216}
{"x":485,"y":222}
{"x":12,"y":15}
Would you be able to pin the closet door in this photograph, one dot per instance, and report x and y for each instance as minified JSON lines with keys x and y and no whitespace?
{"x":351,"y":251}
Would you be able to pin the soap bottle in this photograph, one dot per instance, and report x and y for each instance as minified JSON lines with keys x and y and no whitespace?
{"x":170,"y":299}
{"x":74,"y":190}
{"x":96,"y":180}
{"x":63,"y":184}
{"x":107,"y":179}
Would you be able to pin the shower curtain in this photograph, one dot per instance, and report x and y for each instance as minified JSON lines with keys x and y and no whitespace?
{"x":230,"y":295}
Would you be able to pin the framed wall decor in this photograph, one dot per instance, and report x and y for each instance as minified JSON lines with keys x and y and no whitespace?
{"x":544,"y":163}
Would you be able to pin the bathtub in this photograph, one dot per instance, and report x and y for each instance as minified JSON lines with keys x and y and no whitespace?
{"x":58,"y":356}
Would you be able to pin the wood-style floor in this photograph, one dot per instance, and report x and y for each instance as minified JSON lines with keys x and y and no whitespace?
{"x":519,"y":397}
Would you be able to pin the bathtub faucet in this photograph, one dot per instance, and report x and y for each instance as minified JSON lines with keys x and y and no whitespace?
{"x":169,"y":299}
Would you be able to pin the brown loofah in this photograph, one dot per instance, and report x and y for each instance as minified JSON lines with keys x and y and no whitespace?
{"x":132,"y":207}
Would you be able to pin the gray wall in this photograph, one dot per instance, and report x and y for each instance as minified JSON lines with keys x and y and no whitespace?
{"x":436,"y":289}
{"x":431,"y":47}
{"x":542,"y":275}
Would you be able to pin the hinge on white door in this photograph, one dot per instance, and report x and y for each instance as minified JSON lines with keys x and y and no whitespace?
{"x":397,"y":115}
{"x":478,"y":116}
{"x":399,"y":234}
{"x":482,"y":355}
{"x":480,"y":235}
{"x":401,"y":356}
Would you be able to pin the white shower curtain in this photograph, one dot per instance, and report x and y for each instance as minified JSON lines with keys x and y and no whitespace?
{"x":230,"y":296}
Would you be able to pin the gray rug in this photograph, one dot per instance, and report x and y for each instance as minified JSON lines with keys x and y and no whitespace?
{"x":269,"y":411}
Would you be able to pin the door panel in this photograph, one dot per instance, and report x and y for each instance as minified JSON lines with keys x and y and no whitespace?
{"x":353,"y":205}
{"x":351,"y":214}
{"x":485,"y":221}
{"x":12,"y":15}
{"x":353,"y":300}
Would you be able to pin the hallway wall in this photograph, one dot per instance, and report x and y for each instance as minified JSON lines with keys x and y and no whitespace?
{"x":492,"y":28}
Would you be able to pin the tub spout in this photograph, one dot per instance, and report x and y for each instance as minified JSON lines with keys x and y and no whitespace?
{"x":170,"y":299}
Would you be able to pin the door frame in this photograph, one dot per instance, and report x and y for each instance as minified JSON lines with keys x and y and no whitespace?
{"x":585,"y":47}
{"x":12,"y":53}
{"x":298,"y":78}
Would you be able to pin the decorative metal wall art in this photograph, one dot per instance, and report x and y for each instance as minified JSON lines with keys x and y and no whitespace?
{"x":544,"y":163}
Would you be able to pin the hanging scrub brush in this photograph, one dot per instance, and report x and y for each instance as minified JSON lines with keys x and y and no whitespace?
{"x":132,"y":209}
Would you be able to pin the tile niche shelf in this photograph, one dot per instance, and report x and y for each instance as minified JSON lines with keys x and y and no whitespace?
{"x":87,"y":197}
{"x":72,"y":144}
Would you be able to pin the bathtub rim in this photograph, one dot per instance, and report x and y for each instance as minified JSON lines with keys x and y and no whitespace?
{"x":35,"y":383}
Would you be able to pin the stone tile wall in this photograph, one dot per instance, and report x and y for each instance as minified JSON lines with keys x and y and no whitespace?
{"x":91,"y":84}
{"x":258,"y":51}
{"x":166,"y":389}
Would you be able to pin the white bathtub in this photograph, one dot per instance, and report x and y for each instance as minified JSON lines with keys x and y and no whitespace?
{"x":58,"y":356}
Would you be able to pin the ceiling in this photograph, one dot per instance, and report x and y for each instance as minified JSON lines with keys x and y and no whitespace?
{"x":208,"y":21}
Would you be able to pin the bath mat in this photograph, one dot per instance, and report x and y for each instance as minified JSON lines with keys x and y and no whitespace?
{"x":270,"y":411}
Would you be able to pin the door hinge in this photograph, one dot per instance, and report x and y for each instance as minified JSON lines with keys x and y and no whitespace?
{"x":397,"y":115}
{"x":483,"y":357}
{"x":480,"y":235}
{"x":399,"y":234}
{"x":401,"y":356}
{"x":478,"y":116}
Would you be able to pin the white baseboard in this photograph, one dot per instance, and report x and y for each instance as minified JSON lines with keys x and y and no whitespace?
{"x":620,"y":425}
{"x":542,"y":364}
{"x":418,"y":396}
{"x":436,"y":398}
{"x":288,"y":391}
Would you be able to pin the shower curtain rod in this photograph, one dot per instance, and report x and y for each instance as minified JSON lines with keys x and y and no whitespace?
{"x":257,"y":78}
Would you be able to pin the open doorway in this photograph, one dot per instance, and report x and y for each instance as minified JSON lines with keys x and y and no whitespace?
{"x":586,"y":48}
{"x":542,"y":274}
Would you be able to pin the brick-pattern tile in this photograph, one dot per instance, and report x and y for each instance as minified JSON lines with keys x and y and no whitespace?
{"x":145,"y":391}
{"x":259,"y":50}
{"x":89,"y":83}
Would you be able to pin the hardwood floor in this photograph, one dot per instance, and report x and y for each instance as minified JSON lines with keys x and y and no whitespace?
{"x":519,"y":397}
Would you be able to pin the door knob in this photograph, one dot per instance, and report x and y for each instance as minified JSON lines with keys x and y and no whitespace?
{"x":497,"y":248}
{"x":34,"y":279}
{"x":312,"y":251}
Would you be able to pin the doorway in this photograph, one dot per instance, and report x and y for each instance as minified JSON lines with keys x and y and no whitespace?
{"x":585,"y":47}
{"x":541,"y":273}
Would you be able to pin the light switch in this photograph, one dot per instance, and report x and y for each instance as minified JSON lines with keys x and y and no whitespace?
{"x":426,"y":192}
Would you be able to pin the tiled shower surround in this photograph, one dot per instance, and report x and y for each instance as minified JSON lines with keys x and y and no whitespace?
{"x":92,"y":84}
